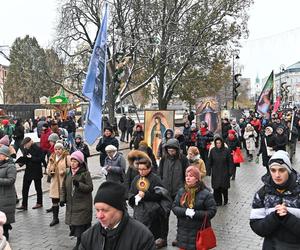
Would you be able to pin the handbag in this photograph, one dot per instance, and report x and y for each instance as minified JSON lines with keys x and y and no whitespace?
{"x":206,"y":238}
{"x":237,"y":156}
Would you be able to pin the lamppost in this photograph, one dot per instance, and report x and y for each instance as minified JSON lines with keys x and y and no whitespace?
{"x":234,"y":56}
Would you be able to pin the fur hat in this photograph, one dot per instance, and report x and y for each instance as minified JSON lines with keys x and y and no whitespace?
{"x":5,"y":140}
{"x":4,"y":150}
{"x":113,"y":194}
{"x":194,"y":150}
{"x":137,"y":155}
{"x":2,"y":222}
{"x":194,"y":172}
{"x":78,"y":156}
{"x":281,"y":158}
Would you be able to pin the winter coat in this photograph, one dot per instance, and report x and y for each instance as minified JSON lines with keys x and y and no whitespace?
{"x":79,"y":201}
{"x":44,"y":143}
{"x":256,"y":125}
{"x":129,"y":176}
{"x":103,"y":142}
{"x":122,"y":123}
{"x":59,"y":168}
{"x":225,"y":128}
{"x":280,"y":141}
{"x":182,"y":144}
{"x":161,"y":148}
{"x":83,"y":148}
{"x":137,"y":137}
{"x":232,"y":146}
{"x":4,"y":245}
{"x":250,"y":136}
{"x":40,"y":125}
{"x":130,"y":125}
{"x":187,"y":228}
{"x":187,"y":134}
{"x":18,"y":134}
{"x":203,"y":141}
{"x":117,"y":168}
{"x":130,"y":234}
{"x":172,"y":169}
{"x":148,"y":209}
{"x":34,"y":163}
{"x":8,"y":175}
{"x":220,"y":165}
{"x":263,"y":147}
{"x":279,"y":232}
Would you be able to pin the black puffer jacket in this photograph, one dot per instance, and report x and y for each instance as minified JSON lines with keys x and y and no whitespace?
{"x":103,"y":142}
{"x":130,"y":235}
{"x":34,"y":163}
{"x":279,"y":232}
{"x":186,"y":227}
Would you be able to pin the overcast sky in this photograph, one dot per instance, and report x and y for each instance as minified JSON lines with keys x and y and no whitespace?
{"x":274,"y":31}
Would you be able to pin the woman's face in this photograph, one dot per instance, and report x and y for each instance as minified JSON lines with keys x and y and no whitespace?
{"x":58,"y":151}
{"x":191,"y":155}
{"x":218,"y":144}
{"x":190,"y":179}
{"x":3,"y":157}
{"x":143,"y":170}
{"x":74,"y":164}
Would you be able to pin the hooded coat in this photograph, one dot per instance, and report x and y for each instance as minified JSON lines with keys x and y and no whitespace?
{"x":220,"y":166}
{"x":172,"y":168}
{"x":279,"y":232}
{"x":8,"y":175}
{"x":161,"y":148}
{"x":103,"y":142}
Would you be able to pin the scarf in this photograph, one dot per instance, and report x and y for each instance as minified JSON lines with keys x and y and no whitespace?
{"x":74,"y":171}
{"x":188,"y":198}
{"x":203,"y":131}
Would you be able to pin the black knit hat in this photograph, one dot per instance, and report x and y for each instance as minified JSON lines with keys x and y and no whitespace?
{"x":113,"y":194}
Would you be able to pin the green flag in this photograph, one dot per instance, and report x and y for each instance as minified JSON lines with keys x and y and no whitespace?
{"x":265,"y":100}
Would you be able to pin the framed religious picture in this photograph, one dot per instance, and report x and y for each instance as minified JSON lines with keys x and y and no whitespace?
{"x":207,"y":109}
{"x":156,"y":122}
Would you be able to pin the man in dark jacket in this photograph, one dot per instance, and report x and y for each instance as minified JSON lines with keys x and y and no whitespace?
{"x":115,"y":229}
{"x":32,"y":158}
{"x":275,"y":207}
{"x":281,"y":139}
{"x":172,"y":172}
{"x":105,"y":140}
{"x":122,"y":127}
{"x":129,"y":128}
{"x":18,"y":135}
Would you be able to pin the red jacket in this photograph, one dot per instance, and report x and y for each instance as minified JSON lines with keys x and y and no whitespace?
{"x":44,"y":143}
{"x":256,"y":124}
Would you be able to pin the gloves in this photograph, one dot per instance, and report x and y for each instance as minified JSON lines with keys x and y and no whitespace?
{"x":104,"y":171}
{"x":62,"y":203}
{"x":76,"y":183}
{"x":137,"y":199}
{"x":190,"y":212}
{"x":28,"y":155}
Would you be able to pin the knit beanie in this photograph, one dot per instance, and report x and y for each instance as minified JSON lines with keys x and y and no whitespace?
{"x":2,"y":222}
{"x":59,"y":144}
{"x":4,"y":150}
{"x":231,"y":132}
{"x":4,"y":140}
{"x":194,"y":171}
{"x":78,"y":156}
{"x":111,"y":148}
{"x":53,"y":137}
{"x":281,"y":158}
{"x":113,"y":194}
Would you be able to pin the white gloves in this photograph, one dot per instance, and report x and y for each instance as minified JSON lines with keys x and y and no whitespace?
{"x":137,"y":199}
{"x":190,"y":212}
{"x":104,"y":171}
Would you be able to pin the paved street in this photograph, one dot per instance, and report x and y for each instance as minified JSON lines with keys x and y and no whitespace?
{"x":231,"y":224}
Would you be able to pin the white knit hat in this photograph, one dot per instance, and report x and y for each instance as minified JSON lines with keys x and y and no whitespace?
{"x":281,"y":158}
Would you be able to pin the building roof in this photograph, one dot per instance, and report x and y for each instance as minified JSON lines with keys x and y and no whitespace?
{"x":294,"y":67}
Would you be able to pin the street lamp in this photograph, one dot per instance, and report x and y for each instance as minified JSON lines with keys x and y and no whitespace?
{"x":234,"y":56}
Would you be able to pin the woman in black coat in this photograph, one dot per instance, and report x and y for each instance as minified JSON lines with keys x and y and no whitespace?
{"x":233,"y":143}
{"x":220,"y":165}
{"x":191,"y":205}
{"x":8,"y":174}
{"x":144,"y":199}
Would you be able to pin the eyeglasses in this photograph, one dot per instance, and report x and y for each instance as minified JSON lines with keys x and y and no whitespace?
{"x":143,"y":169}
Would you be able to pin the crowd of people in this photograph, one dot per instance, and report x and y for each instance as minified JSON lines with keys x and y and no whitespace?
{"x":155,"y":184}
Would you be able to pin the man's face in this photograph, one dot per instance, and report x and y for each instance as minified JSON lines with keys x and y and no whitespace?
{"x":172,"y":151}
{"x":279,"y":174}
{"x":107,"y":215}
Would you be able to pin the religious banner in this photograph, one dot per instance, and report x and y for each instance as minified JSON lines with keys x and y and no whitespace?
{"x":156,"y":123}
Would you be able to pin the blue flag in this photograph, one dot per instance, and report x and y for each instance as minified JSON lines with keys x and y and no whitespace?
{"x":94,"y":86}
